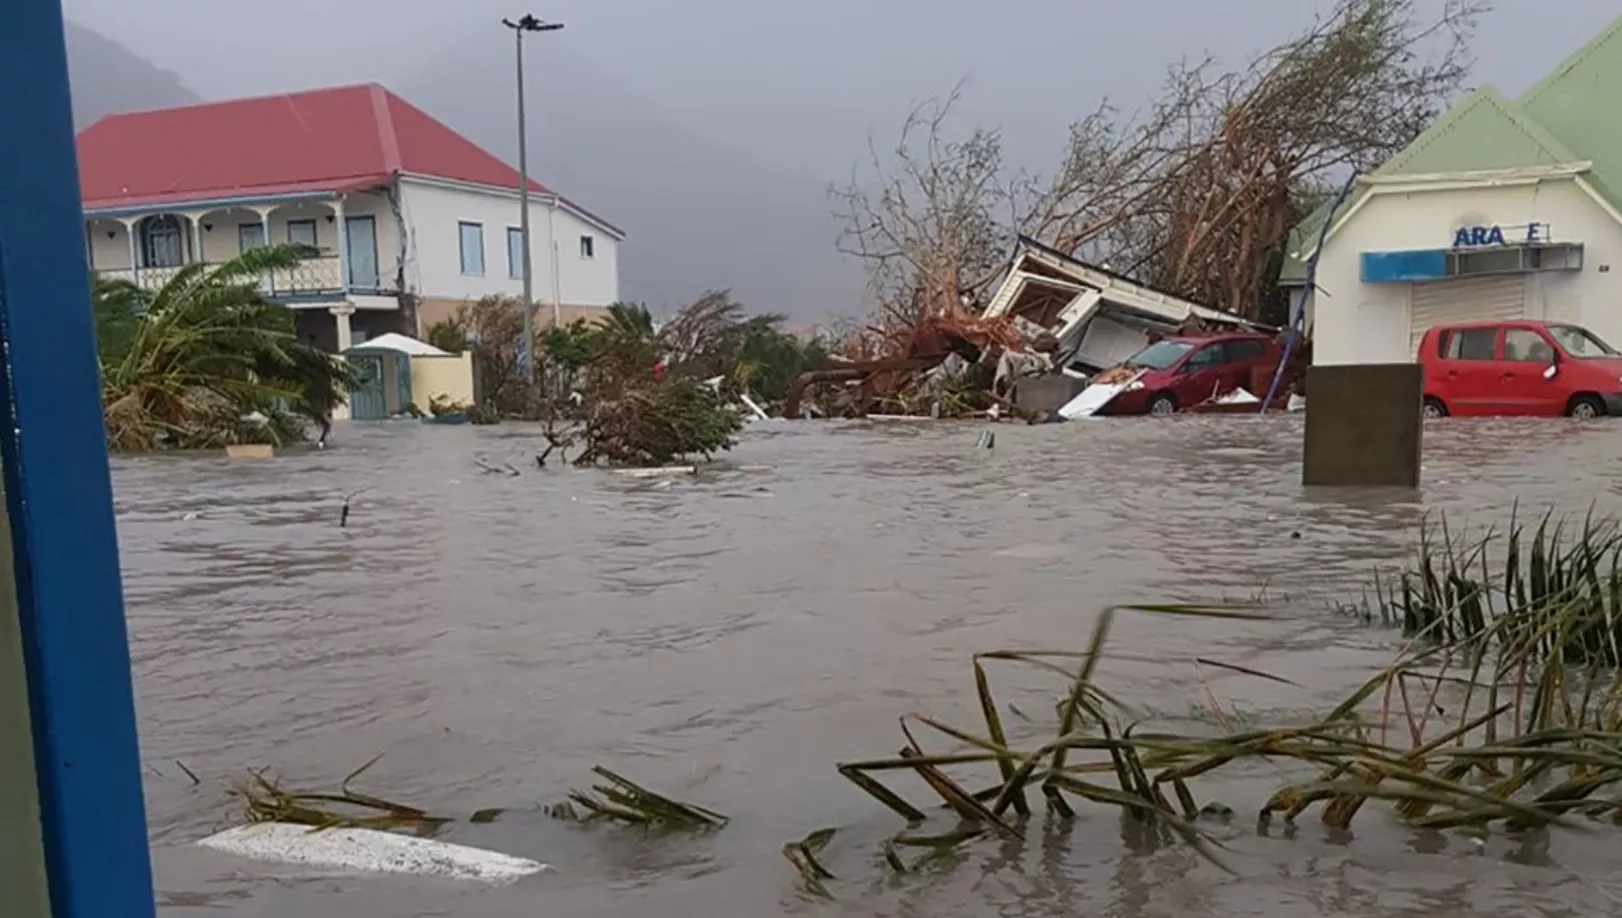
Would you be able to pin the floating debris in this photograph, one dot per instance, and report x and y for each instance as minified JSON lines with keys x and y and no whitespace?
{"x":369,"y":850}
{"x":1527,"y":738}
{"x":803,"y":855}
{"x":622,"y":800}
{"x":265,"y":799}
{"x":658,"y":472}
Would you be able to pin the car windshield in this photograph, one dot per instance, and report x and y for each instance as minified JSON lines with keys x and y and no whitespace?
{"x":1159,"y":355}
{"x":1580,"y":342}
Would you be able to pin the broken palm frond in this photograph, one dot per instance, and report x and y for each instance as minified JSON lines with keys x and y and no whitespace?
{"x":622,"y":800}
{"x":265,"y":799}
{"x":803,"y":855}
{"x":1512,"y":737}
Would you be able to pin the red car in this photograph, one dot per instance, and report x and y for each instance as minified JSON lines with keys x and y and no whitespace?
{"x":1521,"y":367}
{"x":1187,"y":370}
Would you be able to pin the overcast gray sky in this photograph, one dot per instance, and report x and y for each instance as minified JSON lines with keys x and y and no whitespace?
{"x":797,"y":84}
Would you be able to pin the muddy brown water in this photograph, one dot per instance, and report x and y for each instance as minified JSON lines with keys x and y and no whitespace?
{"x":728,"y":638}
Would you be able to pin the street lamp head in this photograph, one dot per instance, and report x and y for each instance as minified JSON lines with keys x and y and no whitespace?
{"x":528,"y":23}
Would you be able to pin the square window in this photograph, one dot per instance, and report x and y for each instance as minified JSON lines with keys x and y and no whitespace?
{"x":302,"y":232}
{"x":250,"y":236}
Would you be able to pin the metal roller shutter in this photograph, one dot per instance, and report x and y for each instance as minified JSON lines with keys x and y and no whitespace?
{"x":1464,"y":299}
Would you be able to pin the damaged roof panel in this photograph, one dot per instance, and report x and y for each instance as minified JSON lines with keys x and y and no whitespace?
{"x":1036,"y":264}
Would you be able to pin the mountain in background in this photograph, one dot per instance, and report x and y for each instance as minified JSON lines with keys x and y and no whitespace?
{"x":697,"y":214}
{"x":107,"y":77}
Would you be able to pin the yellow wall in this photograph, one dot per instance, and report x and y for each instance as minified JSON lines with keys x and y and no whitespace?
{"x":451,"y":377}
{"x":22,"y":850}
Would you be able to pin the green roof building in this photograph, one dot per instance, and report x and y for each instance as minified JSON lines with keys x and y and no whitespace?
{"x":1504,"y":208}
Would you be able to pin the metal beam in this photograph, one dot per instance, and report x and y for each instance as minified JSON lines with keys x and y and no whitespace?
{"x":59,"y":497}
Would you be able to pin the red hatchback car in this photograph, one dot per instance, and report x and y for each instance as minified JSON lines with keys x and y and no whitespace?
{"x":1188,"y":370}
{"x":1522,"y":367}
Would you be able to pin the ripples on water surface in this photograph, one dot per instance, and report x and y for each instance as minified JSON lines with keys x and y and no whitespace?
{"x":729,"y":638}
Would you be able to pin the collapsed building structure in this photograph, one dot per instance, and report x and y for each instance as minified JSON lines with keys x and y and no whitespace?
{"x":1053,"y":323}
{"x":1098,"y":317}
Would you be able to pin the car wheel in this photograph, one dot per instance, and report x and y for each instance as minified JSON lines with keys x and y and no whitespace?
{"x":1585,"y":408}
{"x":1162,"y":405}
{"x":1434,"y":409}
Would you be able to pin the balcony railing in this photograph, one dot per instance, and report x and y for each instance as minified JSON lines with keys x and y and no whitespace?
{"x":309,"y":278}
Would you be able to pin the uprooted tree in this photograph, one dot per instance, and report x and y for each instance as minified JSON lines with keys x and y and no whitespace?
{"x":622,"y":390}
{"x":1196,"y":195}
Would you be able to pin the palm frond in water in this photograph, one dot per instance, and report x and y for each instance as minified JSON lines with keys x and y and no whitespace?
{"x":623,"y":800}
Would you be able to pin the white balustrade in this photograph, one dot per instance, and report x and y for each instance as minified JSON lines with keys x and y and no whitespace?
{"x":309,"y":277}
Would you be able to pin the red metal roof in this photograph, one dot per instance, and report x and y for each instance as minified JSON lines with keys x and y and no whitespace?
{"x":324,"y":140}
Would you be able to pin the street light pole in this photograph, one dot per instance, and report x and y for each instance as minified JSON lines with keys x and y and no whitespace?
{"x":526,"y":23}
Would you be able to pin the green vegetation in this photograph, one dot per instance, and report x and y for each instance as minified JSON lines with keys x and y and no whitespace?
{"x":624,"y":801}
{"x":628,"y":392}
{"x":1552,"y":591}
{"x":265,"y":799}
{"x":207,"y":361}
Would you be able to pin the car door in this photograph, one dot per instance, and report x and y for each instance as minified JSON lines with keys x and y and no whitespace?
{"x":1200,"y":375}
{"x":1468,"y":367}
{"x":1525,"y":356}
{"x":1243,"y":356}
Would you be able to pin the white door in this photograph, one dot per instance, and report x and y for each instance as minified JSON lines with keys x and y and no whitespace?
{"x":1463,"y":299}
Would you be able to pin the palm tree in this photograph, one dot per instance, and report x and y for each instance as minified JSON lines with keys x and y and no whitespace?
{"x":198,"y":362}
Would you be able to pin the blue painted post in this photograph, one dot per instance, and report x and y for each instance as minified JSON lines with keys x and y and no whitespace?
{"x":58,"y":494}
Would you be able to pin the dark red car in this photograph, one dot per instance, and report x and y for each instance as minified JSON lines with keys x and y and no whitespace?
{"x":1175,"y":373}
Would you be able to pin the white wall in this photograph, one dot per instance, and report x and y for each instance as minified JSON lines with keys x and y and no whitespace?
{"x":1354,"y":322}
{"x":434,"y":269}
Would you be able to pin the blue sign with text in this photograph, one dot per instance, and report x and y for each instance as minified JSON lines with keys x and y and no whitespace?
{"x":1475,"y":236}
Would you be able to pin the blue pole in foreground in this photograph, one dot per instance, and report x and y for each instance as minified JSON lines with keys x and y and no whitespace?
{"x":58,"y":494}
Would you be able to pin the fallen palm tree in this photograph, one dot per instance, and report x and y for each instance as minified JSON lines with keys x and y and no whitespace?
{"x":207,"y":361}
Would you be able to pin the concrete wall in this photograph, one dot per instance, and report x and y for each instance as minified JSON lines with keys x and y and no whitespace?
{"x":1355,"y":322}
{"x":451,"y":377}
{"x":434,"y":212}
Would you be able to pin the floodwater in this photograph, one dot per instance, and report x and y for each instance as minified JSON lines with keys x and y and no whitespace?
{"x":729,"y":638}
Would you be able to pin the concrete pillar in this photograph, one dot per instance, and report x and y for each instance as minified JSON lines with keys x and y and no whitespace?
{"x":135,"y":248}
{"x":196,"y":238}
{"x":264,"y":220}
{"x":343,"y":243}
{"x":1364,"y":425}
{"x":269,"y":280}
{"x":341,"y":314}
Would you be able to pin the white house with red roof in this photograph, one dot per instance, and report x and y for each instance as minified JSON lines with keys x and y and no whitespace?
{"x":411,"y":219}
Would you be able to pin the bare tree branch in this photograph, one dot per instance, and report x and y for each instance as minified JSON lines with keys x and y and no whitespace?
{"x":1197,"y":192}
